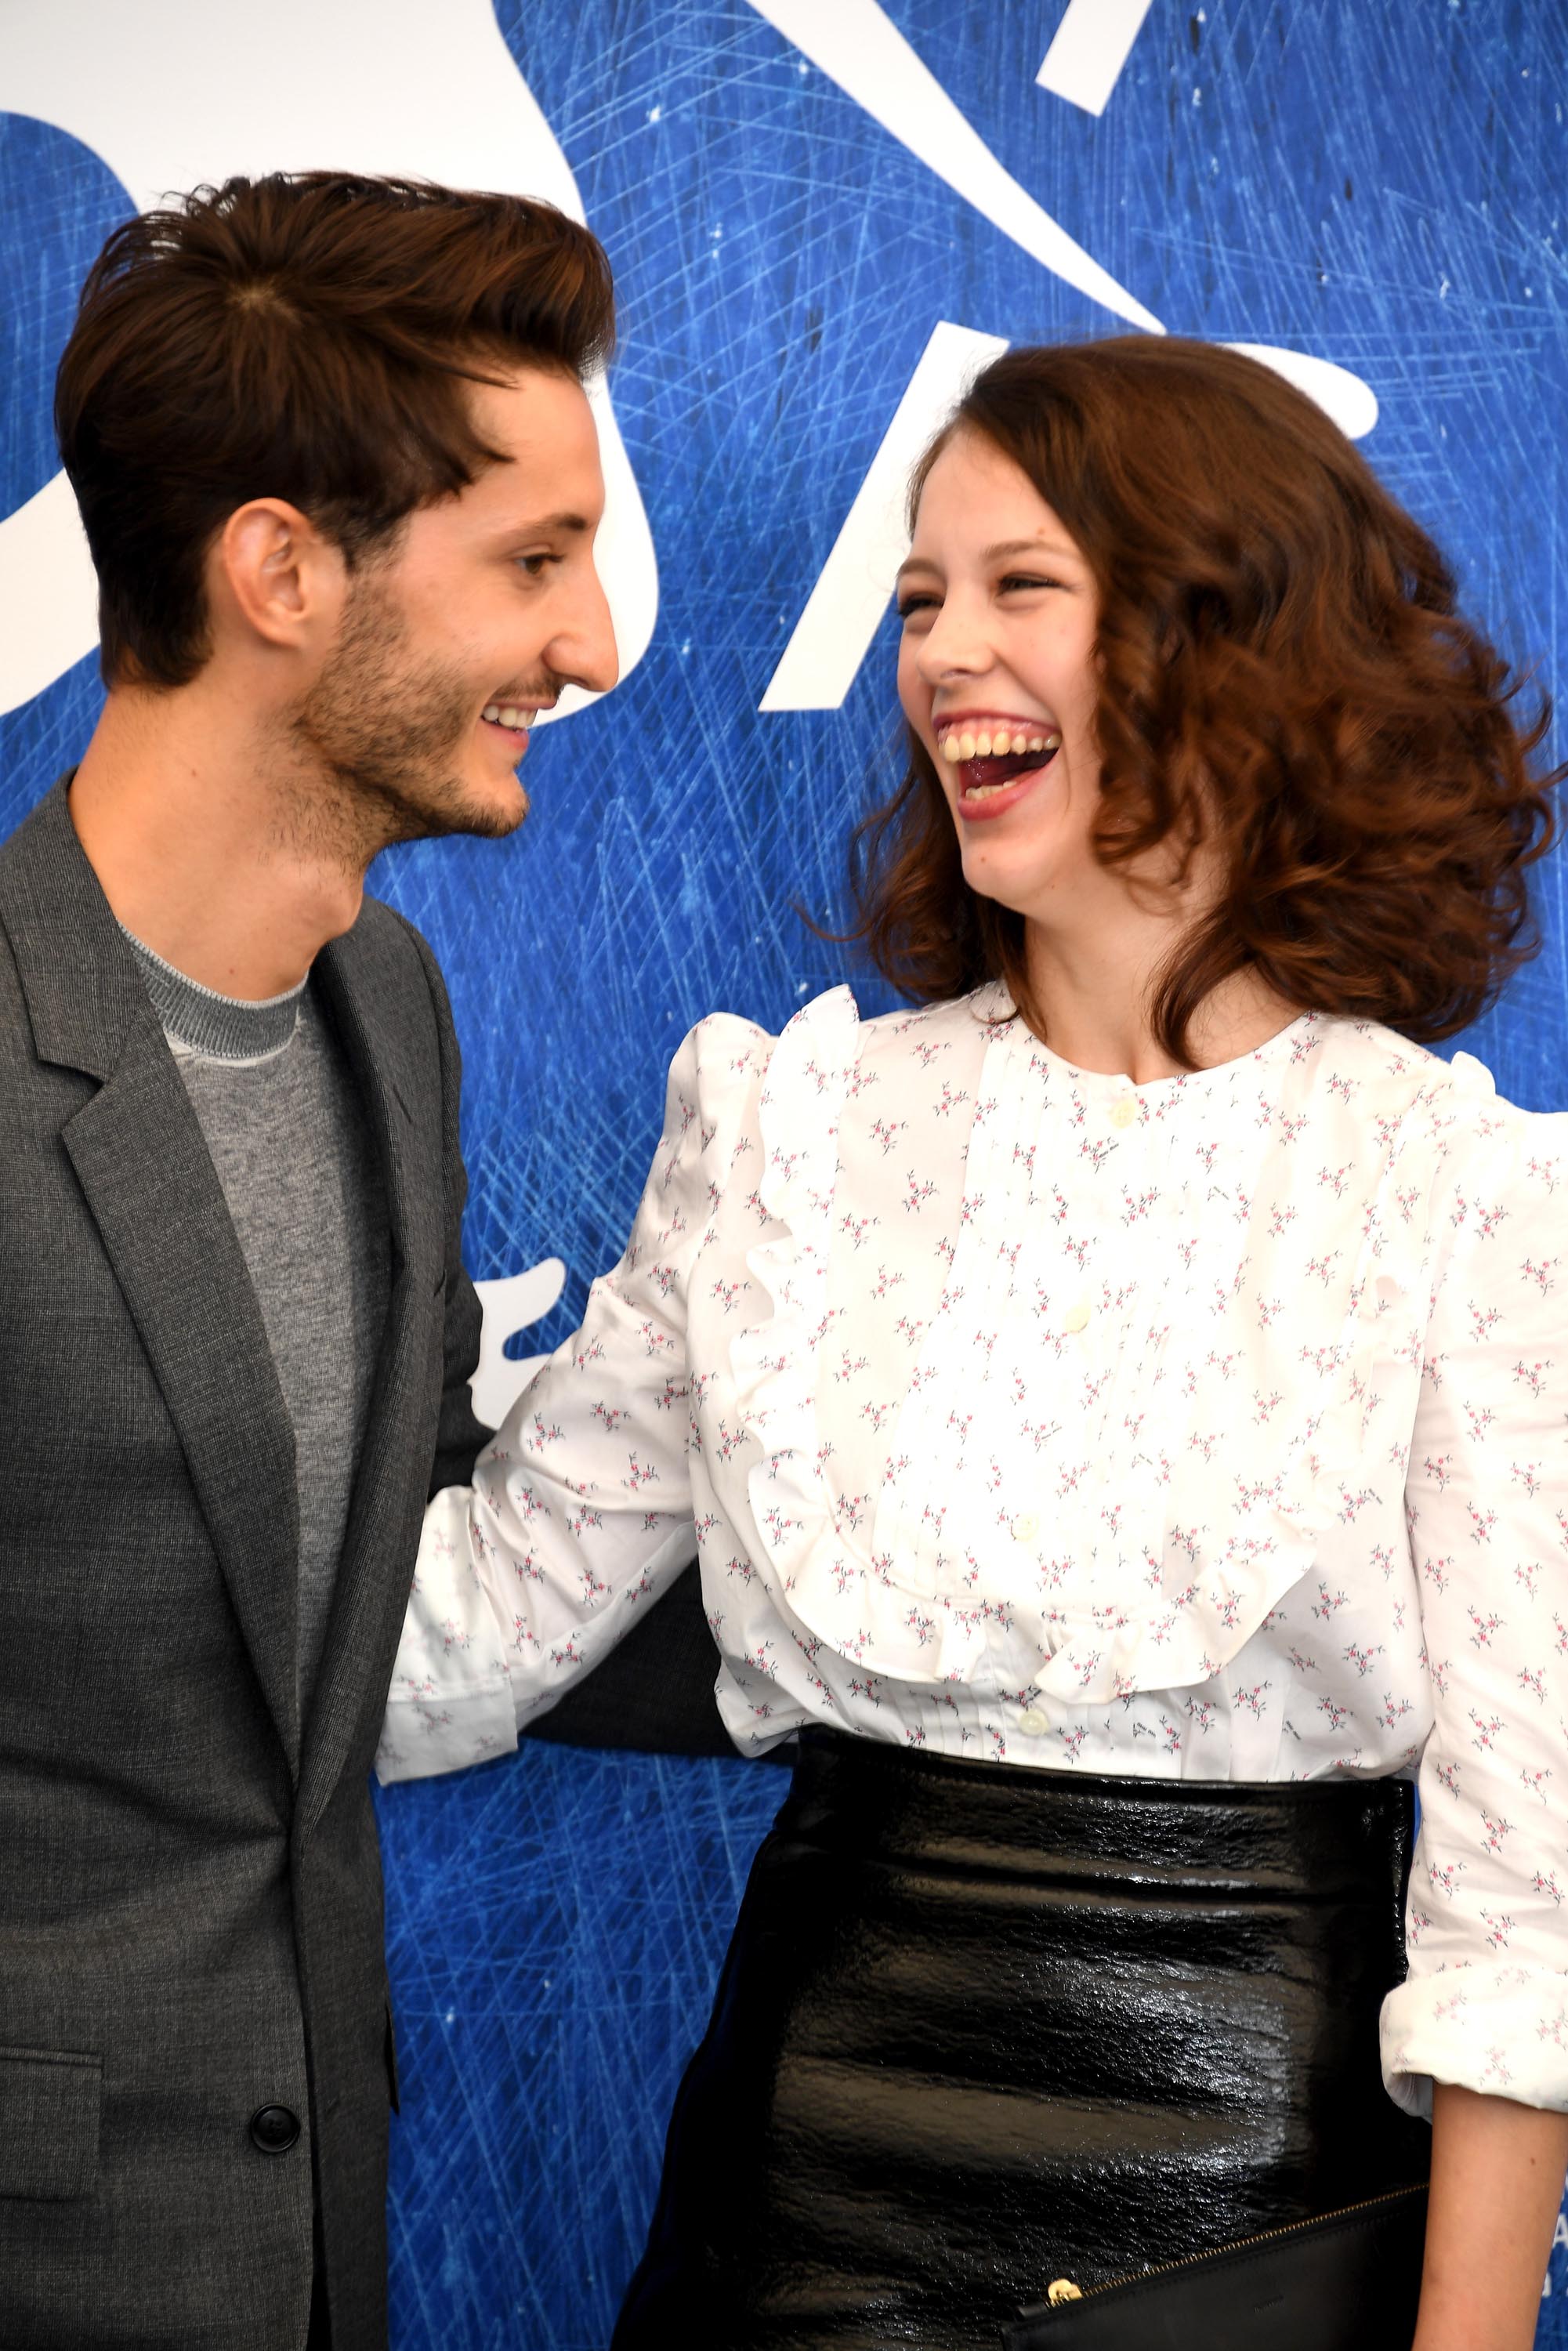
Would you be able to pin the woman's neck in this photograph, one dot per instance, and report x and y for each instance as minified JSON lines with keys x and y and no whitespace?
{"x":1094,"y":987}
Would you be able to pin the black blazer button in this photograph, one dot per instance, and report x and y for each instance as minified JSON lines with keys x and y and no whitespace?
{"x":274,"y":2130}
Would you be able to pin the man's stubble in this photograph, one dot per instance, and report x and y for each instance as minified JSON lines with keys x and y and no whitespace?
{"x":376,"y":744}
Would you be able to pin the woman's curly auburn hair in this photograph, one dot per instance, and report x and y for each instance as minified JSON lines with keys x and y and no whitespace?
{"x":1286,"y":680}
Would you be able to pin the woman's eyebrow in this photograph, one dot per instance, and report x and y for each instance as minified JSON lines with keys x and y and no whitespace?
{"x":1005,"y":546}
{"x":1057,"y":550}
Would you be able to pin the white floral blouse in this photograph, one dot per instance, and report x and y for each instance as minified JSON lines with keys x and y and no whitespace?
{"x":1216,"y":1429}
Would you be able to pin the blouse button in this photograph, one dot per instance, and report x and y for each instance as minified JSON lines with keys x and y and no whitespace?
{"x":1076,"y":1317}
{"x":1025,"y":1527}
{"x":1124,"y":1112}
{"x":1034,"y":1721}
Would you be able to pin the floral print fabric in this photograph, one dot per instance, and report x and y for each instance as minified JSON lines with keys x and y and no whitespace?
{"x":1214,"y":1428}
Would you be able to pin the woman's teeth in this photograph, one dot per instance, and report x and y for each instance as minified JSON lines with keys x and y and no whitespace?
{"x":507,"y":714}
{"x":981,"y":751}
{"x":999,"y":745}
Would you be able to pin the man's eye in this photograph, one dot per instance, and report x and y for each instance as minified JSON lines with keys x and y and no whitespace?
{"x":534,"y":565}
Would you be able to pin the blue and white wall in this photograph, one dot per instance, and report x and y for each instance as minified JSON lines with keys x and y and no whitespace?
{"x":819,"y":212}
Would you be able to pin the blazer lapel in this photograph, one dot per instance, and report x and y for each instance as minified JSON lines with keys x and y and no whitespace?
{"x":140,"y":1156}
{"x":393,"y":1054}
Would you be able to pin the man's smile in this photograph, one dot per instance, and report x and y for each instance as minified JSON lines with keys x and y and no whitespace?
{"x":510,"y":719}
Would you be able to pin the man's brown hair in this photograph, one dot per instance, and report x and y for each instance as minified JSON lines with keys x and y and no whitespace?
{"x":310,"y":337}
{"x":1285,"y":677}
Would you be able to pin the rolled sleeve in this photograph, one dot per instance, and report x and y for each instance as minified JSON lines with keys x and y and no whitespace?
{"x":1486,"y":2003}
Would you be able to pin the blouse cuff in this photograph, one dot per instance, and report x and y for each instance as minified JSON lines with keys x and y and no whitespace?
{"x":421,"y":1736}
{"x":451,"y":1700}
{"x":1501,"y":2030}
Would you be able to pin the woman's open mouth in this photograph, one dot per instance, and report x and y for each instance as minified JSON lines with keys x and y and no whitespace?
{"x":995,"y":763}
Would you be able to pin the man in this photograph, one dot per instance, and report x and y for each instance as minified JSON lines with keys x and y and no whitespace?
{"x":340,"y":482}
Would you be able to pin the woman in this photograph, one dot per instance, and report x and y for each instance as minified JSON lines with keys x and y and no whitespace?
{"x":1121,"y":1406}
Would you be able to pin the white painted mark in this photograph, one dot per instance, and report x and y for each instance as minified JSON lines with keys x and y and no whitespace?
{"x":856,"y":45}
{"x":833,"y":634}
{"x":1347,"y":398}
{"x":1092,"y":43}
{"x":508,"y":1307}
{"x":50,"y":593}
{"x":176,"y":92}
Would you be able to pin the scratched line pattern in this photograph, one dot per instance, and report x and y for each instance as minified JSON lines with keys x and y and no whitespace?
{"x":556,"y":1925}
{"x":1380,"y":186}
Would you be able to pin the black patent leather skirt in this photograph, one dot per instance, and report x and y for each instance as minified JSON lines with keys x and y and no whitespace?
{"x":981,"y":2027}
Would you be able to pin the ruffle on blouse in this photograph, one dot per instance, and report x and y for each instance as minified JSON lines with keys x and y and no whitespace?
{"x":820,"y":1575}
{"x":823,"y":1574}
{"x":877,"y":1604}
{"x":1133,"y":1631}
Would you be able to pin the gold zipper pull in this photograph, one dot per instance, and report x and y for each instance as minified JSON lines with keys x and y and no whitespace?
{"x":1062,"y":2290}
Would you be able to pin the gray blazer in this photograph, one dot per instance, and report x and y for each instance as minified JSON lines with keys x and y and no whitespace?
{"x":191,"y":1943}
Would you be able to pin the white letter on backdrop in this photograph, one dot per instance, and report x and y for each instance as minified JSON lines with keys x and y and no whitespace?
{"x":856,"y":44}
{"x":1093,"y":42}
{"x":833,"y":634}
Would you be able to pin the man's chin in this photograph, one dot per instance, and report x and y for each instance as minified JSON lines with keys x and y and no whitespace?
{"x":491,"y":815}
{"x":492,"y":805}
{"x":486,"y":811}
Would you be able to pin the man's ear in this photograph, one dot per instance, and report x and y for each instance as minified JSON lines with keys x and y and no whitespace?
{"x":274,"y":576}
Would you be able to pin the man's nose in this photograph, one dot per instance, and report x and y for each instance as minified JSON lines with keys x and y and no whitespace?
{"x":583,"y":648}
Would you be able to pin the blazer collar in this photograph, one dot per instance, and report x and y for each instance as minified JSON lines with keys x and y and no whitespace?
{"x":366,"y":992}
{"x":83,"y":991}
{"x":390,"y":1040}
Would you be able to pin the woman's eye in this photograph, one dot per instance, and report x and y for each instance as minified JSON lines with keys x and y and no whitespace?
{"x":534,"y":565}
{"x":909,"y":605}
{"x":1015,"y":580}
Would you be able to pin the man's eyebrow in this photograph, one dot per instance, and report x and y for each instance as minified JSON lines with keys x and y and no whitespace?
{"x":566,"y":525}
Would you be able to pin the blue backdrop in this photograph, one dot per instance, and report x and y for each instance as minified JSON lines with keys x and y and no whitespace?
{"x":1377,"y":186}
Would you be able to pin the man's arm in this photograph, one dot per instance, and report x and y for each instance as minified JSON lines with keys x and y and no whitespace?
{"x":459,"y":1432}
{"x":655,"y":1692}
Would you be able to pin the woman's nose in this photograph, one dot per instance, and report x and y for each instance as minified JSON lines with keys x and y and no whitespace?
{"x":954,"y":646}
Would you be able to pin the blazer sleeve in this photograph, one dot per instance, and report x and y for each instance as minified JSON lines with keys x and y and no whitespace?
{"x":460,"y":1434}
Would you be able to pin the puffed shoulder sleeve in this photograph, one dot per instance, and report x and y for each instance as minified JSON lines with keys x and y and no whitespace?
{"x":580,"y":1511}
{"x":1486,"y":2001}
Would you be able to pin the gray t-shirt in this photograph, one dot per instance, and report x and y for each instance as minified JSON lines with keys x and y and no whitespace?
{"x":291,"y":1144}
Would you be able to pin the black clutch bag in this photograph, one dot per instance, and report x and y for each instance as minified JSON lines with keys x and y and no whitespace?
{"x":1347,"y":2281}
